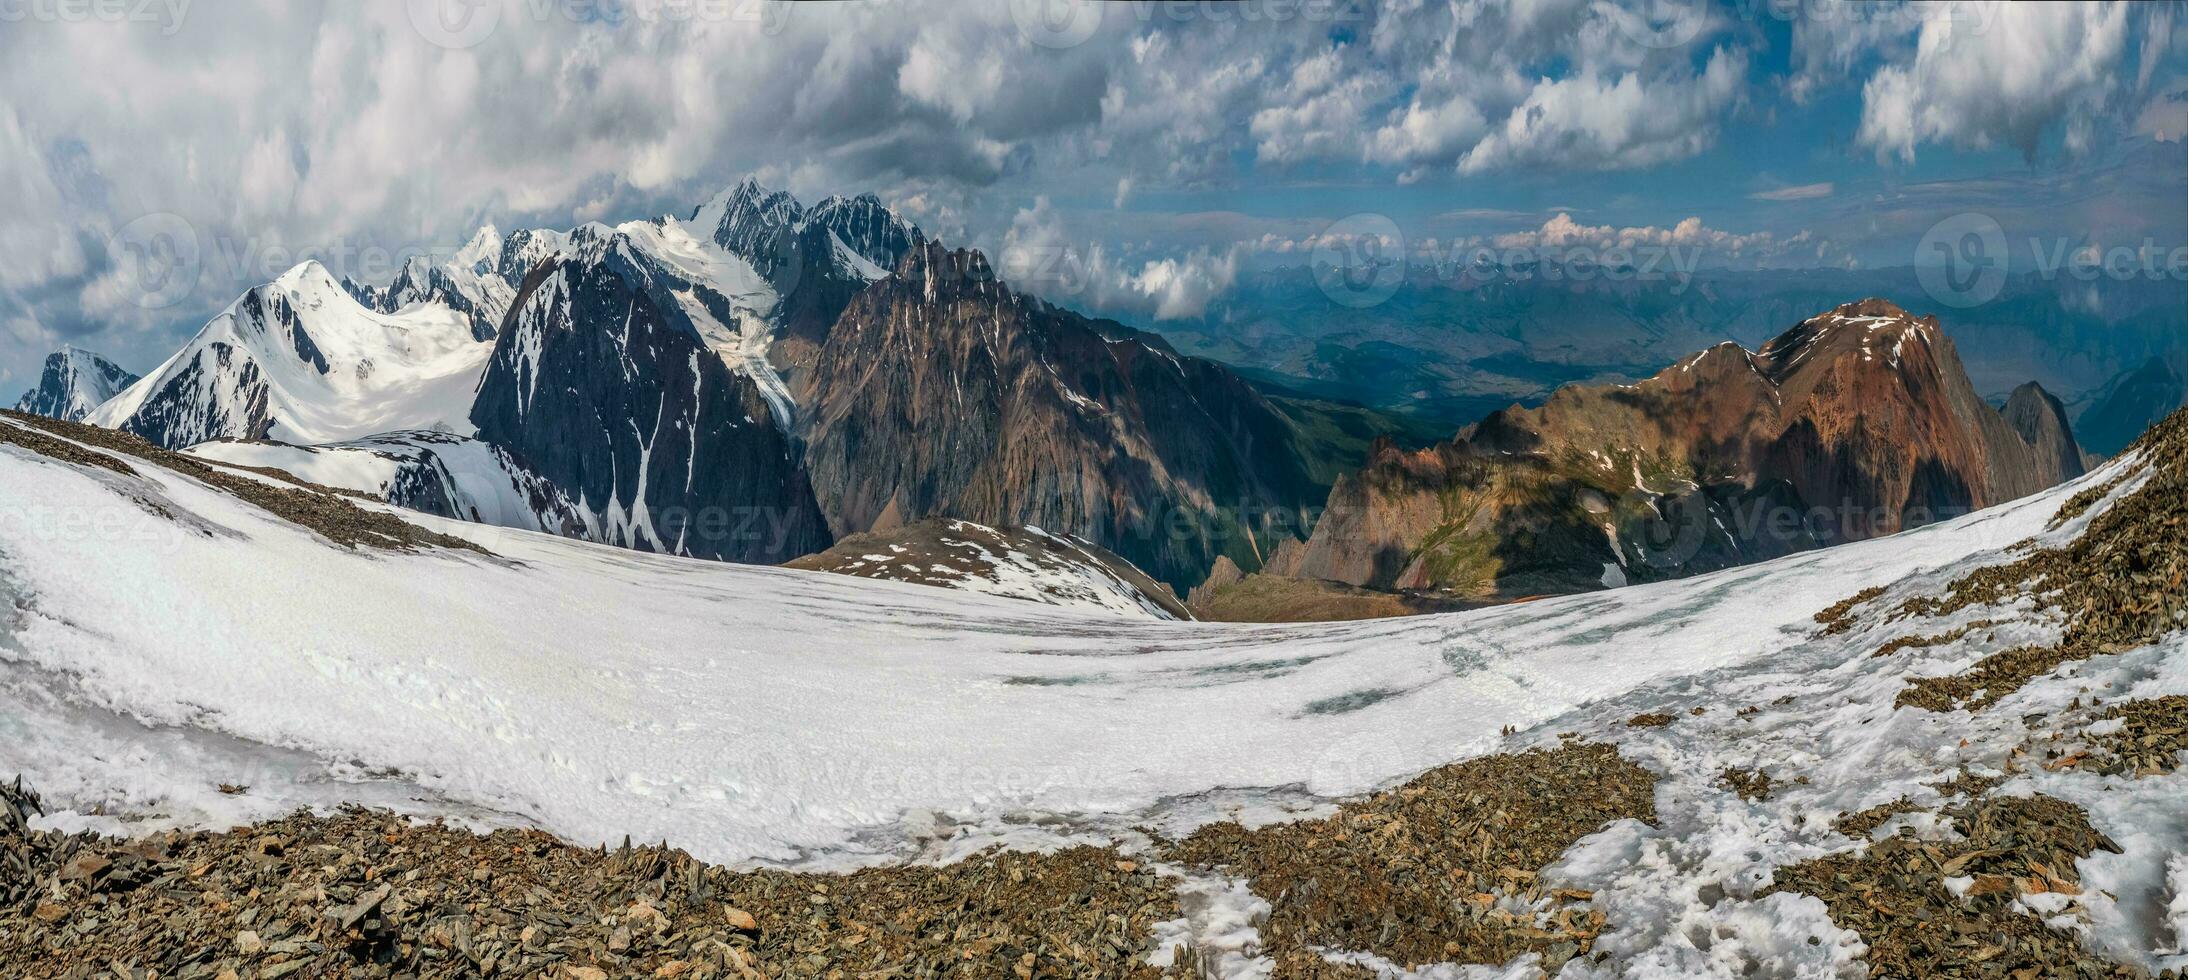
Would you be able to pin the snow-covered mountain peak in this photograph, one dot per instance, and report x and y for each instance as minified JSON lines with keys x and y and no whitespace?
{"x":482,"y":254}
{"x":302,"y":360}
{"x":74,"y":382}
{"x":870,"y":228}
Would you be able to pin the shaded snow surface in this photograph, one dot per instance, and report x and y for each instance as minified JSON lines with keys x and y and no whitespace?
{"x":756,"y":715}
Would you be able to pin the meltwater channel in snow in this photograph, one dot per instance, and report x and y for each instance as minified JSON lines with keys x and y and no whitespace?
{"x":758,"y":714}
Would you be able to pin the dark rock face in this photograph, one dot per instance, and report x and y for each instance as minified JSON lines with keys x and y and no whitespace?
{"x":2040,"y":420}
{"x":2130,"y":405}
{"x":422,"y":283}
{"x":870,"y":229}
{"x":218,"y":393}
{"x":72,"y":384}
{"x":626,"y":411}
{"x":940,"y":392}
{"x":1853,"y":424}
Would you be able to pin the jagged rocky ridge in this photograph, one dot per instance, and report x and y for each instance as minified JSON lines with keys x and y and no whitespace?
{"x":760,"y":378}
{"x":479,"y":281}
{"x":601,"y":390}
{"x":942,"y":392}
{"x":73,"y":383}
{"x":1852,"y":424}
{"x":299,"y":360}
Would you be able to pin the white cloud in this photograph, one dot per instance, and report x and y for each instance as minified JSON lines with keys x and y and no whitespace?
{"x":2003,"y":78}
{"x":1041,"y":257}
{"x":1592,"y":122}
{"x":1563,"y":232}
{"x":1799,"y":192}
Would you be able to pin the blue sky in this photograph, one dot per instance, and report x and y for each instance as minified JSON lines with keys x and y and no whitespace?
{"x":1166,"y":146}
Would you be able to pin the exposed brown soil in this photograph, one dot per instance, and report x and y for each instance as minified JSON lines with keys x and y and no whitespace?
{"x":2080,"y":503}
{"x":308,"y":505}
{"x":1752,"y":785}
{"x":1862,"y":823}
{"x":1260,"y":598}
{"x":1894,"y":894}
{"x":1426,"y":873}
{"x":45,"y":445}
{"x":1653,"y":719}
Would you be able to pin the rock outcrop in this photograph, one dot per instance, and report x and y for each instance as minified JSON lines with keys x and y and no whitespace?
{"x":941,"y":392}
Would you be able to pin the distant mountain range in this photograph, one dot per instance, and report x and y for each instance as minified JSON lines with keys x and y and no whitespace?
{"x":1852,"y":424}
{"x":758,"y":380}
{"x":751,"y":382}
{"x":1452,"y":348}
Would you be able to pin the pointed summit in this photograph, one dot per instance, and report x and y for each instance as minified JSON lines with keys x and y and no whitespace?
{"x":74,"y":382}
{"x":482,"y":254}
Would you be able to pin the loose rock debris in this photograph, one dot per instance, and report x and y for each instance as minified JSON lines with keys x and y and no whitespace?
{"x":1970,"y":907}
{"x":1441,"y":870}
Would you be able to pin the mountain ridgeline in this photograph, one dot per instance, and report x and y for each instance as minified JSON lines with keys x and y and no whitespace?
{"x":1855,"y":423}
{"x":759,"y":379}
{"x":596,"y":389}
{"x":945,"y":393}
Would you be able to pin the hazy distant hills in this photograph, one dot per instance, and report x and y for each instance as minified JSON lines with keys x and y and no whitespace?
{"x":1452,"y":349}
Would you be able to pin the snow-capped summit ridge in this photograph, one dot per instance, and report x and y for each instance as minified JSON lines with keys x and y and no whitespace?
{"x":74,"y":382}
{"x":301,"y":360}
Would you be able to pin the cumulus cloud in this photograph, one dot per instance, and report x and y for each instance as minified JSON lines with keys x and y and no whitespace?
{"x":1592,"y":122}
{"x":1041,"y":256}
{"x":2005,"y":78}
{"x":1563,"y":232}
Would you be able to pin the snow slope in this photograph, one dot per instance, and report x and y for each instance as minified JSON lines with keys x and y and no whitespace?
{"x":441,"y":474}
{"x":1024,"y":563}
{"x":774,"y":715}
{"x":299,"y":360}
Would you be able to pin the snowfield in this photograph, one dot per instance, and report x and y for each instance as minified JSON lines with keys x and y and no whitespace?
{"x":169,"y":638}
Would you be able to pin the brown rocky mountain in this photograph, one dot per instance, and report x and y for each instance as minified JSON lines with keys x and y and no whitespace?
{"x":1855,"y":423}
{"x":941,"y":392}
